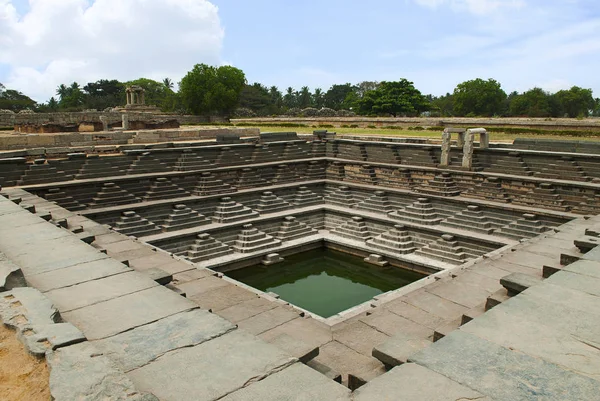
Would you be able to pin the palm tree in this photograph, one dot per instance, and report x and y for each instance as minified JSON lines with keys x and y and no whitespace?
{"x":62,"y":91}
{"x":168,"y":83}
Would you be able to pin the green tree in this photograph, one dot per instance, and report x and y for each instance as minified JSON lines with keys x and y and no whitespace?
{"x":168,"y":83}
{"x":70,"y":97}
{"x":290,"y":99}
{"x":479,"y":98}
{"x":276,"y":100}
{"x":304,"y":98}
{"x":257,"y":98}
{"x":335,"y":96}
{"x":104,"y":93}
{"x":318,"y":98}
{"x":14,"y":100}
{"x":395,"y":98}
{"x":443,"y":105}
{"x":575,"y":102}
{"x":534,"y":103}
{"x":207,"y":89}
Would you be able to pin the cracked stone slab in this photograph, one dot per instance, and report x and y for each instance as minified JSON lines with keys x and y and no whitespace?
{"x":120,"y":314}
{"x":25,"y":305}
{"x":212,"y":369}
{"x":576,"y":281}
{"x":11,"y":275}
{"x":77,"y":274}
{"x":399,"y":348}
{"x":80,"y":372}
{"x":298,"y":382}
{"x":103,"y":289}
{"x":138,"y":347}
{"x":410,"y":382}
{"x":40,"y":338}
{"x":501,"y":373}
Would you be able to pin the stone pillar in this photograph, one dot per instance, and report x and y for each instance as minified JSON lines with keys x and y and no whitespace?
{"x":445,"y":159}
{"x":484,"y":140}
{"x":128,"y":97}
{"x":143,"y":99}
{"x":460,"y":141}
{"x":104,"y":120}
{"x":125,"y":119}
{"x":467,"y":161}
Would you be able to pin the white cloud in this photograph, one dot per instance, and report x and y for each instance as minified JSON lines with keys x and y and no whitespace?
{"x":479,"y":7}
{"x":60,"y":41}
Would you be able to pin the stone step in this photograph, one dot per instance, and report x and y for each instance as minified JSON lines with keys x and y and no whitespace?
{"x":496,"y":298}
{"x":515,"y":283}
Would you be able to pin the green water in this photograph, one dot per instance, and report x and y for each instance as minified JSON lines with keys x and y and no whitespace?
{"x":323,"y":281}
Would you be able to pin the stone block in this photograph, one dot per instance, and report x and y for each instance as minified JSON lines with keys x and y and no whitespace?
{"x":496,"y":299}
{"x":503,"y":374}
{"x":398,"y":349}
{"x":325,"y":371}
{"x":411,"y":382}
{"x":296,"y":348}
{"x":80,"y":372}
{"x":40,"y":338}
{"x":11,"y":275}
{"x":586,"y":244}
{"x":159,"y":275}
{"x":212,"y":369}
{"x":515,"y":283}
{"x":297,"y":382}
{"x":138,"y":347}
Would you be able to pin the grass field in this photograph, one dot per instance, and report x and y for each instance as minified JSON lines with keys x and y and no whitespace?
{"x":494,"y":136}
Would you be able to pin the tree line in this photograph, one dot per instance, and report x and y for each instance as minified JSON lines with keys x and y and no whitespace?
{"x":209,"y":90}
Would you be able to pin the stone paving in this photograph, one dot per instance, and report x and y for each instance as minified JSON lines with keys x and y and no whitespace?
{"x":498,"y":327}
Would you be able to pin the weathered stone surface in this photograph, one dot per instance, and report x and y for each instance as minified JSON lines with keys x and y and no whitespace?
{"x":579,"y":282}
{"x":296,"y":348}
{"x":80,"y":372}
{"x":11,"y":275}
{"x":136,"y":348}
{"x":465,"y":359}
{"x":399,"y":348}
{"x":246,"y":309}
{"x":584,"y":267}
{"x":267,"y":320}
{"x":29,"y":304}
{"x":77,"y":274}
{"x":516,"y":283}
{"x":360,"y":337}
{"x":124,"y":313}
{"x":95,"y":291}
{"x":411,"y":382}
{"x":40,"y":338}
{"x":297,"y":382}
{"x":211,"y":370}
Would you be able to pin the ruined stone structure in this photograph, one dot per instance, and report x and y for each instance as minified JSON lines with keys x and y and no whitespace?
{"x":132,"y":249}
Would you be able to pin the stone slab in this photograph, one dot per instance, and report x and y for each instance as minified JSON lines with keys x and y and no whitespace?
{"x":212,"y":369}
{"x":436,"y":305}
{"x":222,"y":297}
{"x":40,"y":338}
{"x":92,"y":292}
{"x":197,"y":287}
{"x":347,"y":361}
{"x":411,"y":382}
{"x":297,"y":382}
{"x":296,"y":348}
{"x":399,"y":348}
{"x":11,"y":275}
{"x":267,"y":320}
{"x":30,"y":304}
{"x":391,"y":324}
{"x":247,"y":309}
{"x":307,"y":330}
{"x":503,"y":374}
{"x":127,"y":312}
{"x":516,"y":283}
{"x":579,"y":282}
{"x":414,"y":314}
{"x":360,"y":337}
{"x":80,"y":372}
{"x":460,"y":293}
{"x":138,"y":347}
{"x":584,"y":267}
{"x":77,"y":274}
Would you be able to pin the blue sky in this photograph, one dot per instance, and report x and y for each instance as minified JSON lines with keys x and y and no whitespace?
{"x":436,"y":44}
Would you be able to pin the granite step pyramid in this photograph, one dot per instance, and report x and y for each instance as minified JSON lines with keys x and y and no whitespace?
{"x":396,"y":240}
{"x":364,"y":174}
{"x":342,"y":196}
{"x":111,"y":194}
{"x":446,"y":249}
{"x":206,"y":247}
{"x":191,"y":161}
{"x":147,"y":163}
{"x":271,"y":203}
{"x":106,"y":166}
{"x":543,"y":195}
{"x":441,"y":185}
{"x":355,"y":229}
{"x":292,"y":229}
{"x":250,"y":239}
{"x":131,"y":223}
{"x":210,"y":185}
{"x":472,"y":218}
{"x":396,"y":178}
{"x":528,"y":226}
{"x":250,"y":178}
{"x":228,"y":157}
{"x":489,"y":189}
{"x":229,"y":210}
{"x":284,"y":175}
{"x":163,"y":188}
{"x":377,"y":203}
{"x":335,"y":171}
{"x":305,"y":197}
{"x":420,"y":212}
{"x":183,"y":217}
{"x":292,"y":151}
{"x":41,"y":172}
{"x":315,"y":170}
{"x":63,"y":200}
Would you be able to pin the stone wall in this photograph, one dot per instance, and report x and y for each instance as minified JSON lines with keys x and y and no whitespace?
{"x":405,"y":122}
{"x":9,"y":120}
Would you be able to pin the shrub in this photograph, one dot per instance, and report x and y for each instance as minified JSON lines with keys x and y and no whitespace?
{"x":327,"y":112}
